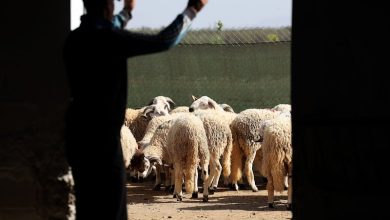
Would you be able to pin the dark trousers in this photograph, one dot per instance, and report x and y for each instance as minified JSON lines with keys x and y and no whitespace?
{"x":96,"y":159}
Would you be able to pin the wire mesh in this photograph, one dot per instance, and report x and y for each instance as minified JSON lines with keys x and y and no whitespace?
{"x":245,"y":68}
{"x":234,"y":36}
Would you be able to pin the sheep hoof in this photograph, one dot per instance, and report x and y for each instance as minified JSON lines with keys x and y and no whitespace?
{"x":133,"y":179}
{"x":174,"y":195}
{"x":212,"y":190}
{"x":288,"y":206}
{"x":271,"y":205}
{"x":194,"y":195}
{"x":157,"y":187}
{"x":205,"y":198}
{"x":255,"y":190}
{"x":179,"y":198}
{"x":231,"y":186}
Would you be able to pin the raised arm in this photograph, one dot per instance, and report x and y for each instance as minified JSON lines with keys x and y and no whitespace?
{"x":133,"y":44}
{"x":120,"y":20}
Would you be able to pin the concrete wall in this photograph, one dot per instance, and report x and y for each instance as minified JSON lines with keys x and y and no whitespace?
{"x":33,"y":97}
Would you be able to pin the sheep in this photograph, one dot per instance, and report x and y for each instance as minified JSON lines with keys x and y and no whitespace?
{"x":137,"y":119}
{"x":136,"y":122}
{"x":276,"y":161}
{"x":246,"y":142}
{"x":155,"y":154}
{"x":219,"y":138}
{"x":128,"y":144}
{"x":187,"y":145}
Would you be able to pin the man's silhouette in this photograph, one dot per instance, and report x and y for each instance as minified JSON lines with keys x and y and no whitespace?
{"x":95,"y":57}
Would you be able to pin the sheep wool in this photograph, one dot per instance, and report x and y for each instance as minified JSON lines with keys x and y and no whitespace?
{"x":277,"y":152}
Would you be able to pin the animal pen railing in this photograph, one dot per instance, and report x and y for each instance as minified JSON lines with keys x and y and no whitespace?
{"x":247,"y":68}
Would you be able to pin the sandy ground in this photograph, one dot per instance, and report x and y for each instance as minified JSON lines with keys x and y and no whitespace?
{"x":144,"y":203}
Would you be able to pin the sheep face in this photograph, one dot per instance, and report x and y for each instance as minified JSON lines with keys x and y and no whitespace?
{"x":158,"y":106}
{"x":162,"y":105}
{"x":144,"y":165}
{"x":146,"y":168}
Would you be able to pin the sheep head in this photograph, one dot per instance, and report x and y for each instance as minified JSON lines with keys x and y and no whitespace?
{"x":204,"y":102}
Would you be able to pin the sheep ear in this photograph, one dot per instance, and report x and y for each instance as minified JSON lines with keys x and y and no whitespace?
{"x":155,"y":160}
{"x":193,"y":98}
{"x":211,"y":104}
{"x":227,"y":108}
{"x":171,"y":103}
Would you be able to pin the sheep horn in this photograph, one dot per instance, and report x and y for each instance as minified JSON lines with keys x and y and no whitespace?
{"x":171,"y":102}
{"x":147,"y":111}
{"x":193,"y":98}
{"x":154,"y":160}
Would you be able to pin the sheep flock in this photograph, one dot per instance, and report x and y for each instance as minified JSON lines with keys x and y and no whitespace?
{"x":207,"y":141}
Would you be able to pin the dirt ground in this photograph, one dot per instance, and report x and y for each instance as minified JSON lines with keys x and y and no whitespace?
{"x":144,"y":203}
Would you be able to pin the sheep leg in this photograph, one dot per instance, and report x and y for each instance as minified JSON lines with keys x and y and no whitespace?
{"x":195,"y":193}
{"x":178,"y":184}
{"x":157,"y":185}
{"x":167,"y":182}
{"x":172,"y":172}
{"x":212,"y":175}
{"x":270,"y":189}
{"x":206,"y":184}
{"x":217,"y":175}
{"x":289,"y":193}
{"x":249,"y":171}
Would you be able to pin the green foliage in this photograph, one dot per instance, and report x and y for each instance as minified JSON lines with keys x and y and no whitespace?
{"x":272,"y":37}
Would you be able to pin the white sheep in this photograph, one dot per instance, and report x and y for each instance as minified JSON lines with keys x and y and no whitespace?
{"x":128,"y":144}
{"x":246,"y":142}
{"x":187,"y":145}
{"x":219,"y":139}
{"x":155,"y":154}
{"x":276,"y":161}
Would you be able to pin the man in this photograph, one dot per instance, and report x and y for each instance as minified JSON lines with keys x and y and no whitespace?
{"x":95,"y":57}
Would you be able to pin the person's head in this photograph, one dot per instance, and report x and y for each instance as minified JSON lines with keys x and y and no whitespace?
{"x":100,"y":8}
